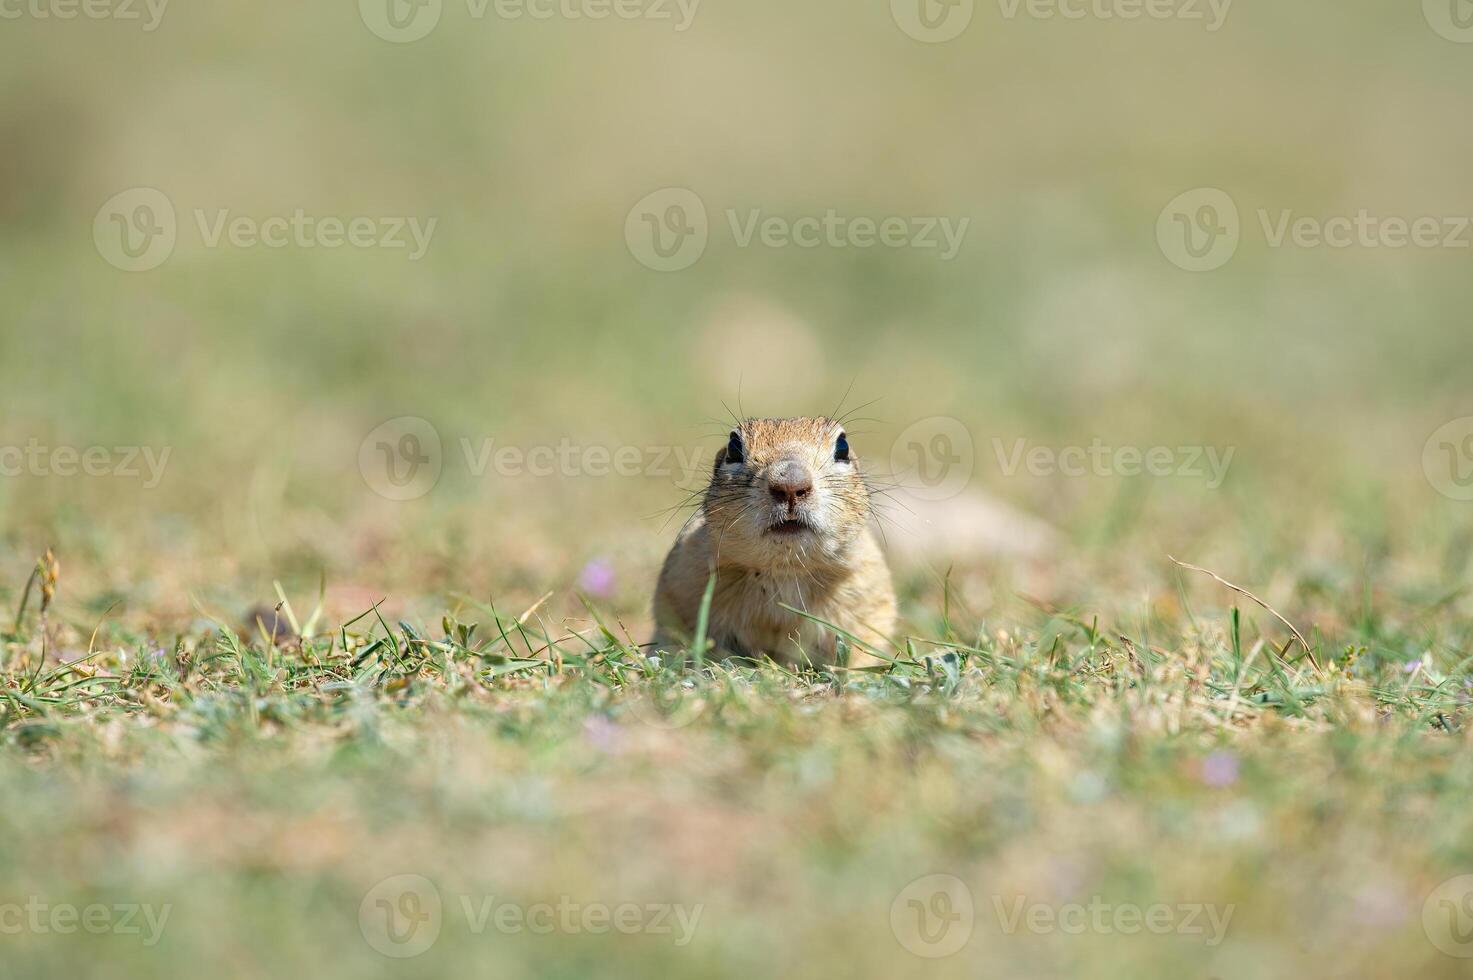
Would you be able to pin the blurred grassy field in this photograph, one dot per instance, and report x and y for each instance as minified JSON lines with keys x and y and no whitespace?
{"x":1079,"y":741}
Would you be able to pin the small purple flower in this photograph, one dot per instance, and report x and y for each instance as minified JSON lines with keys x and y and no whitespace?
{"x":1381,"y":904}
{"x":602,"y":734}
{"x":597,"y":578}
{"x":1411,"y":668}
{"x":1220,"y":769}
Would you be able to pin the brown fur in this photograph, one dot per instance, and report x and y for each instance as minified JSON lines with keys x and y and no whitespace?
{"x":833,"y":570}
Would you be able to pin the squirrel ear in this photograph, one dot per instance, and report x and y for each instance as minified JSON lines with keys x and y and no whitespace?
{"x":726,"y":454}
{"x":734,"y":452}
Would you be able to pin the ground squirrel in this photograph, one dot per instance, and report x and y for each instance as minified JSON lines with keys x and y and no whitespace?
{"x":784,"y":521}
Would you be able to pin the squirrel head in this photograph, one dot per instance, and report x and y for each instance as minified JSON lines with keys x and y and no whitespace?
{"x":786,"y":493}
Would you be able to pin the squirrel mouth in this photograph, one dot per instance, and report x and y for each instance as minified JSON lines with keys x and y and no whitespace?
{"x":789,"y":527}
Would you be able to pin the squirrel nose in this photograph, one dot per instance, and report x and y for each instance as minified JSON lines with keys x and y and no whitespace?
{"x":789,"y":482}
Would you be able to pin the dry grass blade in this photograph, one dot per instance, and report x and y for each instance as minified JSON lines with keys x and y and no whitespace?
{"x":1314,"y":661}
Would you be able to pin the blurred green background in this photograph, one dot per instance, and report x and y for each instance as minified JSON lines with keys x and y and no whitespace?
{"x":528,"y":320}
{"x":531,"y":319}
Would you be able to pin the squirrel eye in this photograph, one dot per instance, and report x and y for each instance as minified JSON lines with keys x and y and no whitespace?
{"x":734,"y":451}
{"x":841,"y":449}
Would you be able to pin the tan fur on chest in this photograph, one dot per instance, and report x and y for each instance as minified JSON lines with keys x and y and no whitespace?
{"x":748,"y":617}
{"x":750,"y":606}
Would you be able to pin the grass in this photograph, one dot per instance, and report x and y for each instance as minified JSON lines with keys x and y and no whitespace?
{"x":262,"y":790}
